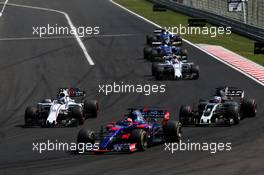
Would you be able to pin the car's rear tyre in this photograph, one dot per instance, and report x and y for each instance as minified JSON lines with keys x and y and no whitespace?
{"x":91,"y":108}
{"x":195,"y":72}
{"x":139,"y":136}
{"x":77,"y":114}
{"x":147,"y":52}
{"x":184,"y":53}
{"x":159,"y":73}
{"x":30,"y":116}
{"x":233,"y":114}
{"x":248,"y":108}
{"x":173,"y":131}
{"x":154,"y":39}
{"x":154,"y":69}
{"x":154,"y":55}
{"x":186,"y":116}
{"x":148,"y":39}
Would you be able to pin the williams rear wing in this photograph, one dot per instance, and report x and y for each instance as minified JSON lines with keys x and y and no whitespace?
{"x":73,"y":92}
{"x":154,"y":44}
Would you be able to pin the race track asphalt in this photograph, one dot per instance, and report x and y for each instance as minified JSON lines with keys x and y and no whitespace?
{"x":31,"y":70}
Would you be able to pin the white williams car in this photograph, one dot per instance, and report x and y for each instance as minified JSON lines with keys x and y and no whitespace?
{"x":173,"y":68}
{"x":68,"y":109}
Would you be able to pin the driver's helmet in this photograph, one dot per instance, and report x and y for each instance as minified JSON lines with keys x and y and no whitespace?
{"x":175,"y":61}
{"x":61,"y":98}
{"x":165,"y":43}
{"x":129,"y":120}
{"x":175,"y":57}
{"x":216,"y":99}
{"x":136,"y":116}
{"x":166,"y":40}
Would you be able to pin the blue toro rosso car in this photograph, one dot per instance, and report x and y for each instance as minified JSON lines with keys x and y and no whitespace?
{"x":161,"y":35}
{"x":140,"y":129}
{"x":160,"y":50}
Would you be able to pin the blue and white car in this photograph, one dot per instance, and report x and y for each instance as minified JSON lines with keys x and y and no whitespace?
{"x":161,"y":35}
{"x":68,"y":109}
{"x":159,"y":50}
{"x":173,"y":69}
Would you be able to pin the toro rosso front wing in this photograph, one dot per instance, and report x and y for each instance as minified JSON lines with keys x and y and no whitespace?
{"x":123,"y":147}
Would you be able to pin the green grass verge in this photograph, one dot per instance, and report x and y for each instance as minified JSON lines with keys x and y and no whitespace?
{"x":236,"y":43}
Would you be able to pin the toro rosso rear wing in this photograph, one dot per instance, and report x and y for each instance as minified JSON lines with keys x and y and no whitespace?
{"x":151,"y":112}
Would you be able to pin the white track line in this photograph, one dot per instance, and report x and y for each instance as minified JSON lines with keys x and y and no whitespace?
{"x":77,"y":37}
{"x":151,"y":22}
{"x":64,"y":37}
{"x":3,"y":9}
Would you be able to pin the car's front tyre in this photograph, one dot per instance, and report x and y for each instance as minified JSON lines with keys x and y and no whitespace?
{"x":30,"y":116}
{"x":91,"y":108}
{"x":139,"y":136}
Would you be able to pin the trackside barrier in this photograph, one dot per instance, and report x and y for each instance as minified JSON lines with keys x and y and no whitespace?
{"x":249,"y":31}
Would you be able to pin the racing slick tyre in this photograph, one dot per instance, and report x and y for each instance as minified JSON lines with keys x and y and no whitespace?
{"x":46,"y":101}
{"x":154,"y":55}
{"x":195,"y":72}
{"x":86,"y":136}
{"x":91,"y":108}
{"x":154,"y":69}
{"x":232,"y":114}
{"x":186,"y":115}
{"x":139,"y":136}
{"x":159,"y":73}
{"x":148,"y":39}
{"x":183,"y":54}
{"x":248,"y":108}
{"x":173,"y":131}
{"x":147,"y":52}
{"x":151,"y":39}
{"x":77,"y":114}
{"x":30,"y":116}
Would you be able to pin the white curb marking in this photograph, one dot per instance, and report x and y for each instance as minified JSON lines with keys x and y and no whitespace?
{"x":77,"y":37}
